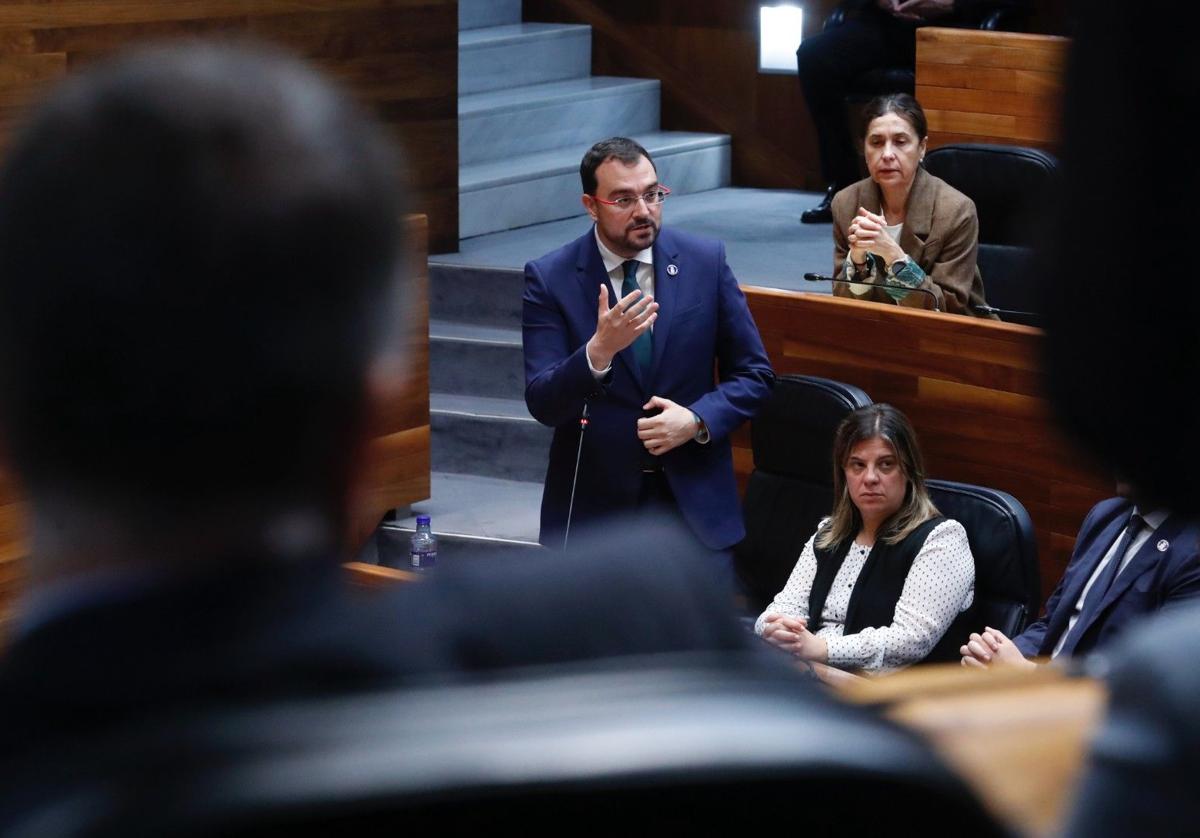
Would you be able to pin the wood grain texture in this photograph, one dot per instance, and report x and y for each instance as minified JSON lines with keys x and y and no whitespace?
{"x":398,"y":57}
{"x":1020,"y":742}
{"x":991,"y":87}
{"x":973,"y":389}
{"x":398,"y":459}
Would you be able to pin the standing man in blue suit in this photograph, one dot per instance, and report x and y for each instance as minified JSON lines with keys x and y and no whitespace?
{"x":626,"y":326}
{"x":1129,"y":561}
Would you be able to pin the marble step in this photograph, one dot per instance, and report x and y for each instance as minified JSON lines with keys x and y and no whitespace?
{"x":544,"y":186}
{"x":486,"y":436}
{"x":502,"y":124}
{"x":472,"y":294}
{"x":521,"y":54}
{"x":470,"y":360}
{"x":476,"y":14}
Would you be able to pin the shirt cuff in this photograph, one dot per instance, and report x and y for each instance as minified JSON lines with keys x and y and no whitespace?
{"x":846,"y":652}
{"x":859,"y":289}
{"x":908,"y":277}
{"x":596,"y":374}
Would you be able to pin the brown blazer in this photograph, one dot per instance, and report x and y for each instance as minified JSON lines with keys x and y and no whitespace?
{"x":941,"y":234}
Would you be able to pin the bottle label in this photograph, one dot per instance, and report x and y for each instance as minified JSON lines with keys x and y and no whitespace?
{"x":423,"y":560}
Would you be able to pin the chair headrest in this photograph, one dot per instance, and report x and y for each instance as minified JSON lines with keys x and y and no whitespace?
{"x":1001,"y":536}
{"x":793,"y":434}
{"x":1009,"y":185}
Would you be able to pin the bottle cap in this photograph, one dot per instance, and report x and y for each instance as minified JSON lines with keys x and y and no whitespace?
{"x":422,"y":520}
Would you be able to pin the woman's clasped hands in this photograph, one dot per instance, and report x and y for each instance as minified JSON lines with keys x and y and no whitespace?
{"x":792,"y":635}
{"x":868,"y":234}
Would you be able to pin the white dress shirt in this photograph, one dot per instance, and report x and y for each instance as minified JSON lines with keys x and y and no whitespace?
{"x":614,"y":265}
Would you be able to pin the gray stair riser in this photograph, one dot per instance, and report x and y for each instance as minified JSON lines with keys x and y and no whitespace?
{"x":570,"y":122}
{"x":505,"y":448}
{"x":556,"y":196}
{"x":392,"y":548}
{"x":513,"y":63}
{"x":476,"y":14}
{"x":476,"y":369}
{"x":482,"y":296}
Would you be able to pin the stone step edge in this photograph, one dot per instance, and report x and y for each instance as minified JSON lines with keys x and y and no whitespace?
{"x":554,"y":97}
{"x":470,"y":181}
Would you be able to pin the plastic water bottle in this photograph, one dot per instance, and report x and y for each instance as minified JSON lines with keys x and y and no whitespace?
{"x":423,"y":546}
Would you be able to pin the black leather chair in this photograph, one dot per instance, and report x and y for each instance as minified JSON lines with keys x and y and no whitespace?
{"x":672,"y":745}
{"x":791,"y":487}
{"x":1012,"y":187}
{"x":1007,"y":583}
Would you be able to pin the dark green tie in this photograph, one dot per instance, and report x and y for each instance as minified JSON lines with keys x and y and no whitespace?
{"x":643,"y":347}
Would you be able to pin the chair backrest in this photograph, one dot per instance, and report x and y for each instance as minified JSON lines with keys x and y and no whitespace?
{"x":1010,"y":186}
{"x":1007,"y":582}
{"x":671,"y":746}
{"x":791,"y":487}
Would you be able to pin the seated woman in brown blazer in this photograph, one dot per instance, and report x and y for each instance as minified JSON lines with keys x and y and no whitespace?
{"x":902,"y":228}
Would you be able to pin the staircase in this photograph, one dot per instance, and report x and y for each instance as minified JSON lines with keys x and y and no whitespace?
{"x":528,"y":110}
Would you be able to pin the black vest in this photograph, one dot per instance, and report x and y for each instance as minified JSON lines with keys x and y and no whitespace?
{"x":877,"y":590}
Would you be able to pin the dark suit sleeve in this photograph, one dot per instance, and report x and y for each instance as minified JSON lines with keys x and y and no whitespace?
{"x":557,"y":378}
{"x":744,"y":374}
{"x":1030,"y":640}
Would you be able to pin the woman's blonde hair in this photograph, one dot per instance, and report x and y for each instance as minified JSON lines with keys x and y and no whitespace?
{"x":892,"y":426}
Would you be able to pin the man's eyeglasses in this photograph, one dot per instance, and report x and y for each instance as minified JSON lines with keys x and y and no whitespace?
{"x":627,"y":202}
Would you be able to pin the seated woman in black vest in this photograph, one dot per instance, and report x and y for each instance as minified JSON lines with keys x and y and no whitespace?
{"x":882,"y":578}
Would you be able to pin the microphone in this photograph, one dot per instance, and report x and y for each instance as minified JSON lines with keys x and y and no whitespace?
{"x":1010,"y":312}
{"x":583,"y":423}
{"x":811,"y":277}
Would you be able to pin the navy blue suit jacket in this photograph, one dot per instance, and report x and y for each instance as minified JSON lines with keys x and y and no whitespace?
{"x":1153,"y":580}
{"x":702,"y":321}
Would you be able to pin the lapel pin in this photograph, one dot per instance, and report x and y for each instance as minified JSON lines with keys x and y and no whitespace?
{"x":1163,"y":545}
{"x":672,"y":270}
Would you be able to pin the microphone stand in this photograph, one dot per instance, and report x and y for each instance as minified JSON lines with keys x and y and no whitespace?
{"x":583,"y":423}
{"x":811,"y":277}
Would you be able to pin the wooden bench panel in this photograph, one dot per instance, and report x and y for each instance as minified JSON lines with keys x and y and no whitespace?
{"x":399,"y":57}
{"x":972,"y":388}
{"x":991,"y":87}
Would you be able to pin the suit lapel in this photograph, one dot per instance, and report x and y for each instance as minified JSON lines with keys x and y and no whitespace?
{"x":918,"y":216}
{"x":1143,"y":560}
{"x":1060,"y":619}
{"x":666,"y":293}
{"x":591,"y":273}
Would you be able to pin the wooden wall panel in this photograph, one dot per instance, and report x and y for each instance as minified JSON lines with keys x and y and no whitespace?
{"x":399,"y":57}
{"x":991,"y":87}
{"x":973,"y":389}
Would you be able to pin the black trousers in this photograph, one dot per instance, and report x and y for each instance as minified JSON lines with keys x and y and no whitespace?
{"x":829,"y":63}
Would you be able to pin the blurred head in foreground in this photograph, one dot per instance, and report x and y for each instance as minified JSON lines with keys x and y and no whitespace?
{"x":198,"y":272}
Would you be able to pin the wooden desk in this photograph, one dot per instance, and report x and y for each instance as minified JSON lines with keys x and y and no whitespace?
{"x":991,"y":87}
{"x":973,"y":389}
{"x":1018,"y":738}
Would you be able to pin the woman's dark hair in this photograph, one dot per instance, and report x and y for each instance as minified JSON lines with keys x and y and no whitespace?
{"x":884,"y":422}
{"x":902,"y":105}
